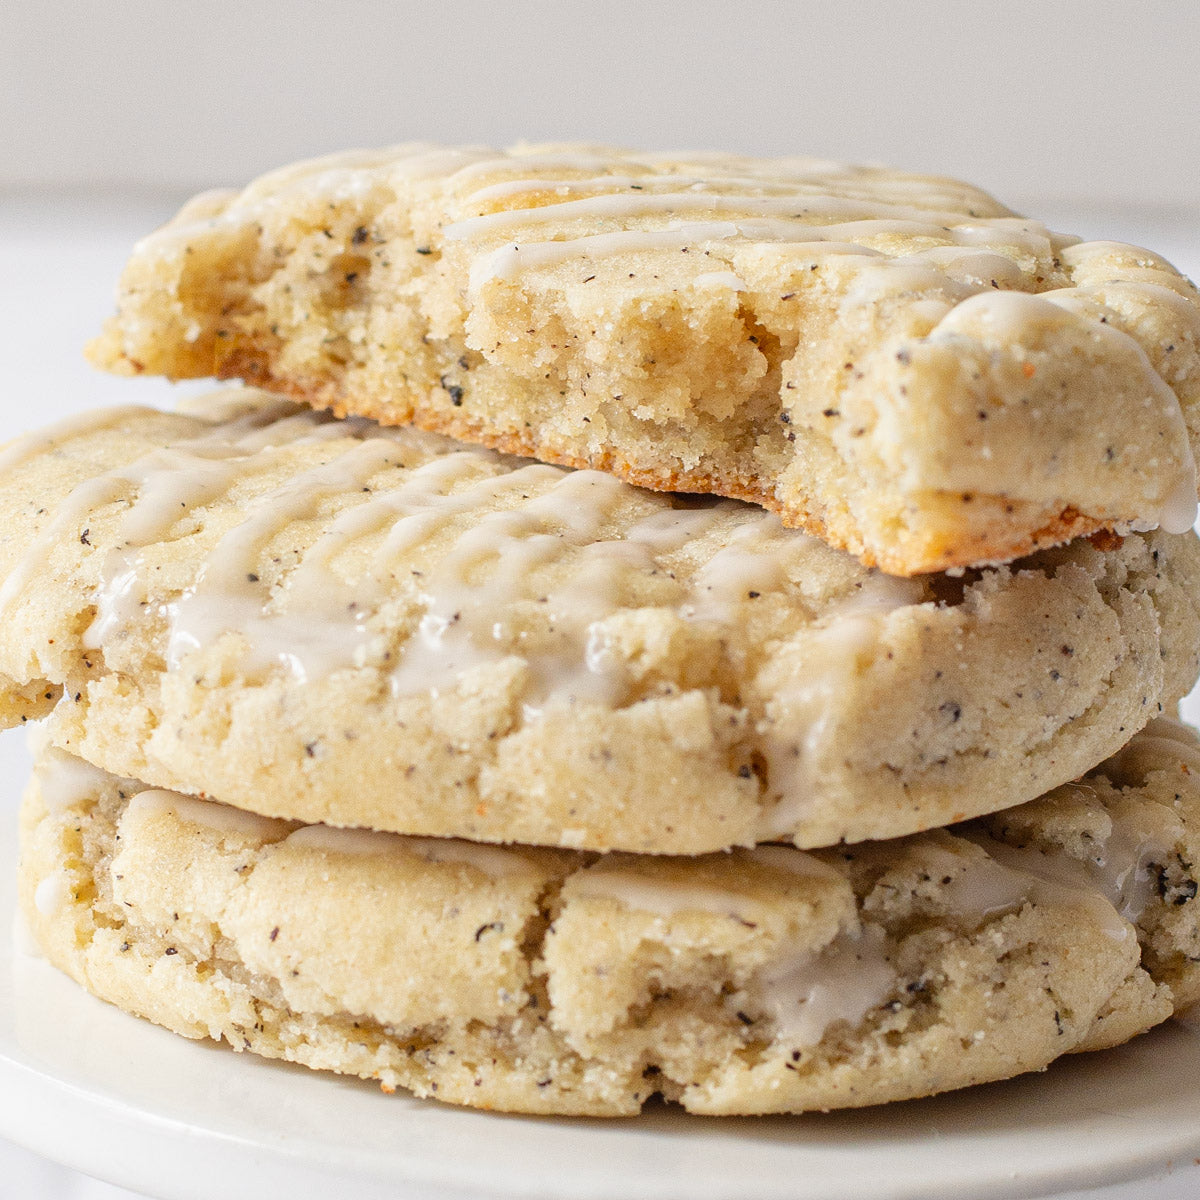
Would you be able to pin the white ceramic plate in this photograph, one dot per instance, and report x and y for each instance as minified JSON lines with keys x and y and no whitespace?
{"x":111,"y":1095}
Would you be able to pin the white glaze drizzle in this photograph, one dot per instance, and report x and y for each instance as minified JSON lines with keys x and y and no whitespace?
{"x":835,"y":210}
{"x":229,"y":594}
{"x":165,"y":478}
{"x":978,"y":889}
{"x":155,"y":802}
{"x":1178,"y":510}
{"x":1120,"y":866}
{"x":543,"y":169}
{"x":312,"y":622}
{"x":1059,"y":879}
{"x":721,"y":279}
{"x":66,"y":782}
{"x":806,"y":993}
{"x":65,"y":527}
{"x":493,"y":861}
{"x":640,"y":892}
{"x":795,"y":862}
{"x":1010,"y":314}
{"x":493,"y":564}
{"x":849,"y":186}
{"x":511,"y":260}
{"x":840,"y":217}
{"x":351,"y":173}
{"x":42,"y":441}
{"x":496,"y":163}
{"x":748,"y":563}
{"x":51,"y":893}
{"x":1123,"y":866}
{"x":637,"y":889}
{"x":803,"y":993}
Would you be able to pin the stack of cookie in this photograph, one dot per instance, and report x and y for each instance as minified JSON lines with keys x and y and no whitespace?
{"x":518,"y":785}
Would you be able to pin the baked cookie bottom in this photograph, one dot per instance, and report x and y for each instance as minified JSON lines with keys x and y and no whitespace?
{"x":949,"y":388}
{"x":332,"y":622}
{"x":544,"y":981}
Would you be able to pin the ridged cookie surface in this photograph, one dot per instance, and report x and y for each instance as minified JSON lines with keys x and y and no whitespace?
{"x":327,"y":621}
{"x":767,"y":980}
{"x":895,"y":362}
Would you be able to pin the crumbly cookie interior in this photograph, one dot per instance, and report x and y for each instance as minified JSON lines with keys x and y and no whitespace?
{"x":898,"y":364}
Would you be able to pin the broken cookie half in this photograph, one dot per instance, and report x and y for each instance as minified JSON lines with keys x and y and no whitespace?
{"x":895,"y":362}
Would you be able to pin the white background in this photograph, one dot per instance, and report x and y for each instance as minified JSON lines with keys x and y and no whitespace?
{"x":1066,"y":98}
{"x":1087,"y":114}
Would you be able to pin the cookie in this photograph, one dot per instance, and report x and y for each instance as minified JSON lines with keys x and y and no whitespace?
{"x":765,"y":980}
{"x":1130,"y":826}
{"x":896,"y":363}
{"x":338,"y":623}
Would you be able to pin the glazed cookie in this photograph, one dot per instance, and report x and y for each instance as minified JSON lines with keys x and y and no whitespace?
{"x":1133,"y":827}
{"x":332,"y":622}
{"x":896,"y":363}
{"x":765,"y":980}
